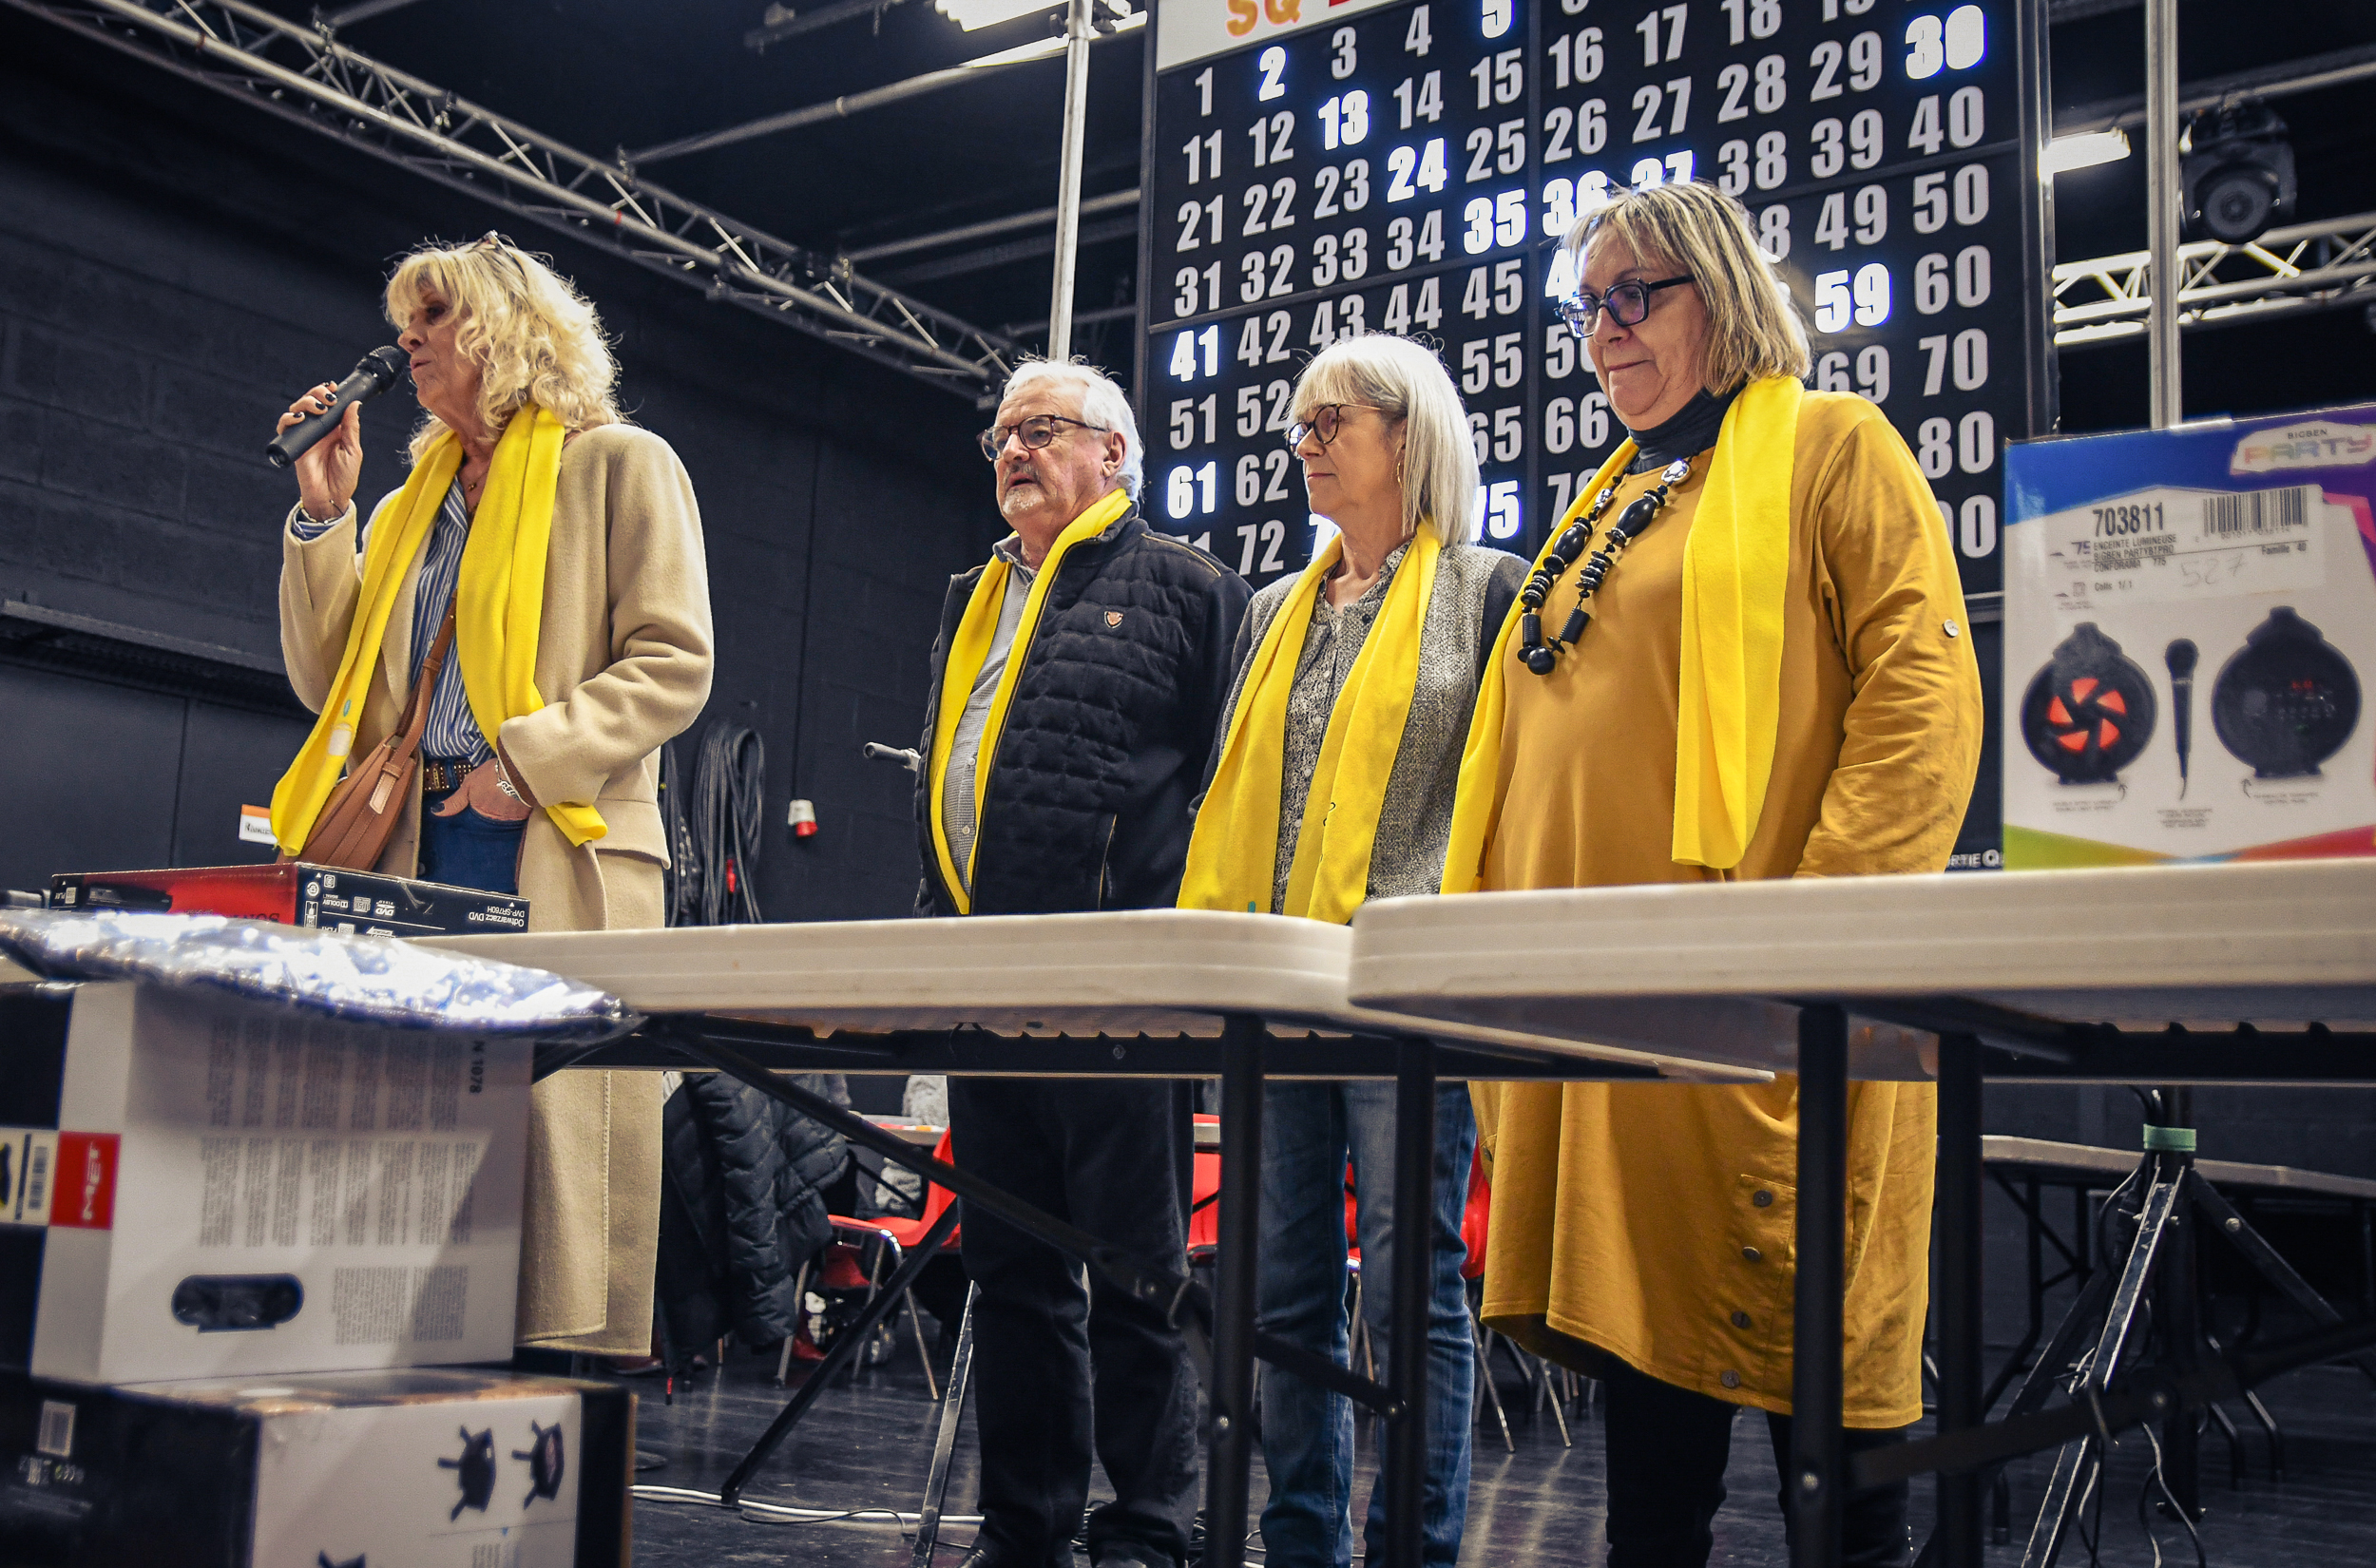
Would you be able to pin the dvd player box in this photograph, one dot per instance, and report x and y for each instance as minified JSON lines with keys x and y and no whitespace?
{"x":417,"y":1468}
{"x":296,"y":893}
{"x":197,"y":1185}
{"x":2190,"y":616}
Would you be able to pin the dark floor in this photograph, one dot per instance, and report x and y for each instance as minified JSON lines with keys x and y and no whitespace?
{"x":866,"y":1446}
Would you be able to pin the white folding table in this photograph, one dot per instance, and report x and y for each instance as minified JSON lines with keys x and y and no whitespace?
{"x":2164,"y":975}
{"x":1160,"y":993}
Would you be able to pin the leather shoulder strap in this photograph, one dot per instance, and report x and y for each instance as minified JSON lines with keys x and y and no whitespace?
{"x":417,"y":706}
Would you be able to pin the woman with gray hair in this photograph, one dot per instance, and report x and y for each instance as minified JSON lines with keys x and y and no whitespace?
{"x":539,"y":750}
{"x":1332,"y":783}
{"x":1741,"y":656}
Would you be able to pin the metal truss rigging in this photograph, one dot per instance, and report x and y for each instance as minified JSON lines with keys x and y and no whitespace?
{"x":302,"y":73}
{"x":2325,"y":265}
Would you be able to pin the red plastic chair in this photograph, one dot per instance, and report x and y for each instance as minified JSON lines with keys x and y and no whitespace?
{"x":895,"y":1237}
{"x":1476,"y":1218}
{"x":1204,"y":1200}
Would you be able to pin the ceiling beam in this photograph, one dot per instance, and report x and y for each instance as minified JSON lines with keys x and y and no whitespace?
{"x":1014,"y":250}
{"x":2332,"y":69}
{"x":349,"y":15}
{"x":1043,"y":219}
{"x":305,"y":76}
{"x":873,"y":98}
{"x":782,"y":22}
{"x":2328,"y":264}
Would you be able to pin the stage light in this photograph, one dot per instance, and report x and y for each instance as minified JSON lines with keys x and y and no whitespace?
{"x":2237,"y":171}
{"x":2065,"y":153}
{"x":973,"y":14}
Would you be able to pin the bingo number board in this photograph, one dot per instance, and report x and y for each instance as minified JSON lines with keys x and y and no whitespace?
{"x":1316,"y":170}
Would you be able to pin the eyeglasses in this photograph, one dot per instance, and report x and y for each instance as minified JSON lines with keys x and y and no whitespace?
{"x":1036,"y":432}
{"x":1326,"y":421}
{"x":1628,"y":302}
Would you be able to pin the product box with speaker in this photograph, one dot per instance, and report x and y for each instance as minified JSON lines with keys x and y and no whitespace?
{"x":295,"y":893}
{"x":2189,"y":617}
{"x":422,"y":1469}
{"x":196,"y":1185}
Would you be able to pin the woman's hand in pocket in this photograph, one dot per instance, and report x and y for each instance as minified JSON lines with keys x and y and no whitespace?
{"x":482,"y":791}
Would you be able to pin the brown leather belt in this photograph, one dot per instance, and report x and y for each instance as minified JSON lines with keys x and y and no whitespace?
{"x":441,"y":775}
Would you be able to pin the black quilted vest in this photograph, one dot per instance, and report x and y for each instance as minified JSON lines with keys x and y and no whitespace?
{"x":1106,"y":738}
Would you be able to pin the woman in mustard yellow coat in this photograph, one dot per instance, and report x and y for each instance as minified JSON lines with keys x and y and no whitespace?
{"x":1772,"y":678}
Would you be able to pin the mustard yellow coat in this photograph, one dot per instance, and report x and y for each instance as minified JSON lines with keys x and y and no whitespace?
{"x":1655,"y":1222}
{"x":622,"y":662}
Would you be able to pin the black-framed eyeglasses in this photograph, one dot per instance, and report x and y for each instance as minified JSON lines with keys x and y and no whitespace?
{"x":1628,"y":302}
{"x":1036,"y":433}
{"x":1325,"y":422}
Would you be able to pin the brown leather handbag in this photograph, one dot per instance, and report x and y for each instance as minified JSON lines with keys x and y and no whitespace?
{"x":355,"y":822}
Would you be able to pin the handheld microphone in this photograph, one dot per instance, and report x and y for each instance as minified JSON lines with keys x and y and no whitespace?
{"x":372,"y":375}
{"x":2180,"y":656}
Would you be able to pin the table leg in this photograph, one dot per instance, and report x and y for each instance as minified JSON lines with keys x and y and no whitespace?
{"x":1412,"y":1285}
{"x":1818,"y":1477}
{"x":845,"y":1352}
{"x":2178,"y":1311}
{"x":1228,"y":1475}
{"x":1957,"y":1228}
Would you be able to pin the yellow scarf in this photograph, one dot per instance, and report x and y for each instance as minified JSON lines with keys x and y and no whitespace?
{"x":967,"y":652}
{"x":1735,"y":571}
{"x":499,"y":608}
{"x":1233,"y":854}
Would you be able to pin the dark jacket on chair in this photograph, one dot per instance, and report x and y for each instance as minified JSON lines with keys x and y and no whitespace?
{"x":742,"y":1207}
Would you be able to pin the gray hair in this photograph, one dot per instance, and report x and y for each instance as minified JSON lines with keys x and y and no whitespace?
{"x":1753,"y":330}
{"x":1103,"y":404}
{"x":1404,"y":380}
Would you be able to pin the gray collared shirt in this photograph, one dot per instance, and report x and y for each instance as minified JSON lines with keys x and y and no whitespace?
{"x":964,"y":748}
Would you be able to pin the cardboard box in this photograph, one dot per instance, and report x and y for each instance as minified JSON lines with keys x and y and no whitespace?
{"x":2189,"y":617}
{"x":403,"y":1469}
{"x":295,"y":893}
{"x":195,"y":1185}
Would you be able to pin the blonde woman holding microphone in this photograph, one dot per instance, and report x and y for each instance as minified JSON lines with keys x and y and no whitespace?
{"x":555,"y":551}
{"x":1332,"y":783}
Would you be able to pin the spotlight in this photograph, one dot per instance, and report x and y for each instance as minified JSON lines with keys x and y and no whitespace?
{"x":970,"y":14}
{"x":2065,"y":153}
{"x":2237,"y":172}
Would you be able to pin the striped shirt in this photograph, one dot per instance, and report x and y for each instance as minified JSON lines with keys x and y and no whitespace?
{"x":453,"y":732}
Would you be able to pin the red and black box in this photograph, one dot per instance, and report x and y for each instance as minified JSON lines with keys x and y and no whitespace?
{"x":295,"y":893}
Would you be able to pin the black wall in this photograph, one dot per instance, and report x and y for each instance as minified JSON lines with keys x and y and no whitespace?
{"x":175,"y":266}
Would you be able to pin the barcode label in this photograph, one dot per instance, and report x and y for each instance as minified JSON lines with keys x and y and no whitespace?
{"x":56,"y":1438}
{"x":29,"y":1164}
{"x":2261,"y":512}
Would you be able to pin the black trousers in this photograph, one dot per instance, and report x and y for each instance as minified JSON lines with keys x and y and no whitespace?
{"x":1667,"y":1448}
{"x":1113,"y":1159}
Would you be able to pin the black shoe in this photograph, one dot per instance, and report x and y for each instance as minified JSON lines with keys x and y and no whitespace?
{"x":991,"y":1555}
{"x":1131,"y":1553}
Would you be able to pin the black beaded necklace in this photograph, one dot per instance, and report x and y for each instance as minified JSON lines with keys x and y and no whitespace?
{"x":1540,"y":657}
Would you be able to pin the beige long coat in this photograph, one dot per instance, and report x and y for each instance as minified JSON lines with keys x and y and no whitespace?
{"x":622,"y":662}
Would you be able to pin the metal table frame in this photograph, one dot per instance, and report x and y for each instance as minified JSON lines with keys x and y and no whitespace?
{"x":2008,"y":971}
{"x":1246,"y":1054}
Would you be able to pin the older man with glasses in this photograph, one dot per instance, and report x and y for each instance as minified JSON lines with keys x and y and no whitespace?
{"x":1076,"y":683}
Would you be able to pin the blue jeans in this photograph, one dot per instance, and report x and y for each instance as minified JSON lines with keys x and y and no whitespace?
{"x":467,"y":850}
{"x":1309,"y":1132}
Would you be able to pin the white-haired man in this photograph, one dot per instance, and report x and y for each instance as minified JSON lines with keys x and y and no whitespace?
{"x":1076,"y":683}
